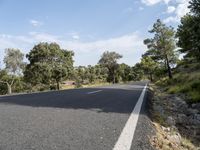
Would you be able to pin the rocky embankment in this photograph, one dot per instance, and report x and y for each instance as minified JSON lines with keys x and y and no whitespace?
{"x":177,"y":123}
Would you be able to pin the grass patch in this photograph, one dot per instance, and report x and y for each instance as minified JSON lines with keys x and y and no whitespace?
{"x":187,"y":144}
{"x":174,"y":89}
{"x":187,"y":83}
{"x":195,"y":96}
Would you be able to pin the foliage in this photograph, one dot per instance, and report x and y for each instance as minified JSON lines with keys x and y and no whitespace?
{"x":18,"y":84}
{"x":109,"y":61}
{"x":49,"y":64}
{"x":14,"y":65}
{"x":149,"y":66}
{"x":14,"y":61}
{"x":195,"y":7}
{"x":125,"y":72}
{"x":161,"y":48}
{"x":187,"y":83}
{"x":188,"y":34}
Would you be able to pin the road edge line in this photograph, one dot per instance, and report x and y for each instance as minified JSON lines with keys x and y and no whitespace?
{"x":125,"y":139}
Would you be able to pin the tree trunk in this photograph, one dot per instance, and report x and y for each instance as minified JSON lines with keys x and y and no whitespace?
{"x":113,"y":78}
{"x":9,"y":89}
{"x":151,"y":77}
{"x":58,"y":86}
{"x":168,"y":68}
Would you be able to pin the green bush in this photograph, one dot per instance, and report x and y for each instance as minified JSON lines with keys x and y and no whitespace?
{"x":196,"y":85}
{"x":173,"y":89}
{"x":187,"y":83}
{"x":3,"y":88}
{"x":195,"y":96}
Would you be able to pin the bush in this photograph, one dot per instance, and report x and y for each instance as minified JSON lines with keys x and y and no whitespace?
{"x":174,"y":89}
{"x":187,"y":83}
{"x":3,"y":88}
{"x":195,"y":96}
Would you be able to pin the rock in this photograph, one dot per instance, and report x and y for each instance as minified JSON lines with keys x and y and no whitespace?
{"x":176,"y":138}
{"x":194,"y":119}
{"x":196,"y":106}
{"x":179,"y":105}
{"x":191,"y":111}
{"x":181,"y":119}
{"x":170,"y":121}
{"x":165,"y":129}
{"x":197,"y":116}
{"x":159,"y":109}
{"x":174,"y":128}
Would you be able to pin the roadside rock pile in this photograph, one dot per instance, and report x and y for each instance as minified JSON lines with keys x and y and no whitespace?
{"x":185,"y":117}
{"x":178,"y":121}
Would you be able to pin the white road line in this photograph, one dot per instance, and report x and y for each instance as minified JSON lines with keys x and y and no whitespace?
{"x":94,"y":92}
{"x":125,"y":139}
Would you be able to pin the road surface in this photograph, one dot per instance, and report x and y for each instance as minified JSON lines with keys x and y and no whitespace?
{"x":102,"y":118}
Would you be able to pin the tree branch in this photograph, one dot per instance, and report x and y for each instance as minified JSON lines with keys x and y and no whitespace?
{"x":3,"y":82}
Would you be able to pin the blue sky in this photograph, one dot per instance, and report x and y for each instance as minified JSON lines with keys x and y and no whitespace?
{"x":88,"y":27}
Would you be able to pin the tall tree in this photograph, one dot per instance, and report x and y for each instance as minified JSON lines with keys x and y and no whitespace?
{"x":49,"y":64}
{"x":195,"y":7}
{"x":13,"y":67}
{"x":188,"y":32}
{"x":162,"y":46}
{"x":109,"y":60}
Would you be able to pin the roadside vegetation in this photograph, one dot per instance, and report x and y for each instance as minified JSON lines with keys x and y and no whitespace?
{"x":162,"y":64}
{"x":49,"y":67}
{"x":172,"y":63}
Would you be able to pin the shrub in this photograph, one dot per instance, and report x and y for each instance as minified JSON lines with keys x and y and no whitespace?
{"x":174,"y":89}
{"x":195,"y":96}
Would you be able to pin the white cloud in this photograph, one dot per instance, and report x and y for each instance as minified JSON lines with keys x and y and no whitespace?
{"x":130,"y":46}
{"x":153,"y":2}
{"x":43,"y":37}
{"x":35,"y":23}
{"x":170,"y":9}
{"x":180,"y":10}
{"x":171,"y":19}
{"x":74,"y":35}
{"x":150,"y":2}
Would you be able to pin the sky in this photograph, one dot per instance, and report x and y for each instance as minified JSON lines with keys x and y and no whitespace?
{"x":88,"y":27}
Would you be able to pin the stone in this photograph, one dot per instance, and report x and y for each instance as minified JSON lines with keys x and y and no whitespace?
{"x":196,"y":106}
{"x":182,"y":119}
{"x":197,"y":116}
{"x":194,"y":119}
{"x":159,"y":109}
{"x":170,"y":121}
{"x":179,"y":105}
{"x":191,"y":111}
{"x":176,"y":138}
{"x":165,"y":129}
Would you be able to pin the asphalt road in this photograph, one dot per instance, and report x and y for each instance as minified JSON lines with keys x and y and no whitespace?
{"x":78,"y":119}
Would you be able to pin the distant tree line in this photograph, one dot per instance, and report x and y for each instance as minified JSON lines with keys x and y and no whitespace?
{"x":49,"y":65}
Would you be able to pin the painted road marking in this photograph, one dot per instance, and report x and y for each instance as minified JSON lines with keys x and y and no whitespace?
{"x":125,"y":139}
{"x":94,"y":92}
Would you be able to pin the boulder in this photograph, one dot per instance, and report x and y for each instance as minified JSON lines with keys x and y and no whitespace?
{"x":181,"y":119}
{"x":194,"y":119}
{"x":196,"y":106}
{"x":176,"y":138}
{"x":191,"y":111}
{"x":170,"y":121}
